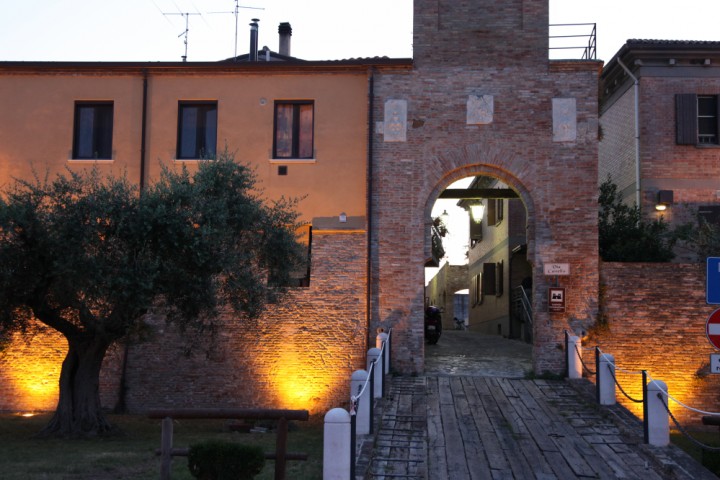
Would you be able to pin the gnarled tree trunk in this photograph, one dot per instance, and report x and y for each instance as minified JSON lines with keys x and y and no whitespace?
{"x":79,"y":413}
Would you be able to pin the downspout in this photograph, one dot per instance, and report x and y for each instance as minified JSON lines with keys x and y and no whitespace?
{"x":143,"y":127}
{"x":369,"y":281}
{"x":636,"y":87}
{"x":121,"y":405}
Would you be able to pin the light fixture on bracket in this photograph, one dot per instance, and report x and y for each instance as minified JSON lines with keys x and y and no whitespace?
{"x":477,"y":210}
{"x":664,"y":200}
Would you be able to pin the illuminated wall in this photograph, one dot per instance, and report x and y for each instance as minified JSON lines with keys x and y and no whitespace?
{"x":656,"y":314}
{"x":30,"y":370}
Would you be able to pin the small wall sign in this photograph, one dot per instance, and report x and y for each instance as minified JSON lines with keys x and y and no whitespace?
{"x":556,"y":299}
{"x":556,"y":268}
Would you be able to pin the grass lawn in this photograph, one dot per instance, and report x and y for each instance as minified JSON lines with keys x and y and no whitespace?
{"x":708,"y":458}
{"x":132,"y":455}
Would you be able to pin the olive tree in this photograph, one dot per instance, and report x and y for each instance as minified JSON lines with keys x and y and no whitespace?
{"x":91,"y":256}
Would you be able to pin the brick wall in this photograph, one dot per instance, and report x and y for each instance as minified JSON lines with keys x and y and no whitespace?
{"x":656,"y":315}
{"x":299,"y":355}
{"x":616,"y":152}
{"x":557,"y":181}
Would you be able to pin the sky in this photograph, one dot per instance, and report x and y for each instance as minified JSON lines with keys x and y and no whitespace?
{"x":153,"y":30}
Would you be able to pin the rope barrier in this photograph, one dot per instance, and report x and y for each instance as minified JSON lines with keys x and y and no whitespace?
{"x":612,"y":373}
{"x":354,"y":398}
{"x":702,"y":412}
{"x":682,"y":430}
{"x":590,"y":372}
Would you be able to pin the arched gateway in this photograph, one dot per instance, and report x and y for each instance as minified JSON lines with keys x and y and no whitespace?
{"x":484,"y":99}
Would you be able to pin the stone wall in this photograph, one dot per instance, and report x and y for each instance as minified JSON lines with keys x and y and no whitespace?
{"x":655,"y":315}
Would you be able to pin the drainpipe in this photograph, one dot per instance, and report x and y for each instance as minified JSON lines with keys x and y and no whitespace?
{"x":371,"y":130}
{"x":143,"y":126}
{"x":636,"y":87}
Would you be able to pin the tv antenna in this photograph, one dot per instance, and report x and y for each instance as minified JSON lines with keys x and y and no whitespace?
{"x":187,"y":29}
{"x":237,"y":8}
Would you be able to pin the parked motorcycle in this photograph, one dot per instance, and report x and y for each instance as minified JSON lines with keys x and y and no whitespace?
{"x":459,"y":323}
{"x":433,"y":324}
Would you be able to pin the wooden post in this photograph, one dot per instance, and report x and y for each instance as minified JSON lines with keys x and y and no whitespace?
{"x":166,"y":443}
{"x":281,"y":448}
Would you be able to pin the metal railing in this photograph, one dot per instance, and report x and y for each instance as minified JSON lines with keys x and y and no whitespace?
{"x":522,"y":310}
{"x":580,"y":39}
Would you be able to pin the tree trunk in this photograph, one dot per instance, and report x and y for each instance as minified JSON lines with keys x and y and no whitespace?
{"x":79,"y":413}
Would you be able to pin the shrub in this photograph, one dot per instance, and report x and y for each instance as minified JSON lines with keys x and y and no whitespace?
{"x":220,"y":460}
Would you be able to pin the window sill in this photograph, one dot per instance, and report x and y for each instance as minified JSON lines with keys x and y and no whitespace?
{"x":191,"y":160}
{"x":91,"y":160}
{"x":292,"y":160}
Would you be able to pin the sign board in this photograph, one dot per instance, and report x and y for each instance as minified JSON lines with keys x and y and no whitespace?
{"x":556,"y":299}
{"x":712,"y":281}
{"x":558,"y":269}
{"x":712,"y":328}
{"x":715,"y":363}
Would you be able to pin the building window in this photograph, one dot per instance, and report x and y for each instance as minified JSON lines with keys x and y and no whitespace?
{"x":92,"y":138}
{"x":197,"y":130}
{"x":293,"y":129}
{"x":489,"y":279}
{"x":494,"y":211}
{"x":696,"y":119}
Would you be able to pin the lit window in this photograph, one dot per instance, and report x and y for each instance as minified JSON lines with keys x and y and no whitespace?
{"x":293,"y":129}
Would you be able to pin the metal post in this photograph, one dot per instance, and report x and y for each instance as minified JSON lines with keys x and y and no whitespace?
{"x":597,"y":374}
{"x":567,"y":354}
{"x":646,"y":435}
{"x":353,"y":421}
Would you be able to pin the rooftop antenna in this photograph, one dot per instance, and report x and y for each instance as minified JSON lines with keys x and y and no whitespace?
{"x":185,"y":33}
{"x":237,"y":8}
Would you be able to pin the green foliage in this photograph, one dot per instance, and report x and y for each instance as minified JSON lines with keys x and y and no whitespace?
{"x":91,"y":256}
{"x":220,"y":460}
{"x":624,"y":236}
{"x":705,"y":239}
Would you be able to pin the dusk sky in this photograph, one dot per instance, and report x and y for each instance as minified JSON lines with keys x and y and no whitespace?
{"x":153,"y":30}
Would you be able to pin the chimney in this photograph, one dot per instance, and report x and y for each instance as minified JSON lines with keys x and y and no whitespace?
{"x":285,"y":31}
{"x":253,"y":57}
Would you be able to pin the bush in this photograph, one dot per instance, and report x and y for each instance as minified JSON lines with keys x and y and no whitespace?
{"x":220,"y":460}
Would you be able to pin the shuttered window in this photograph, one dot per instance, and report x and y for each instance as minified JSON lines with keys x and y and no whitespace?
{"x":696,"y":118}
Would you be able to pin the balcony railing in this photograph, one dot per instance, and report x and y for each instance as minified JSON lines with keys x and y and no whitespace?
{"x":573,"y":41}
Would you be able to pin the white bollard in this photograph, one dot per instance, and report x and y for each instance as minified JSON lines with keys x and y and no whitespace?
{"x":336,"y":445}
{"x":362,"y":416}
{"x":606,"y":377}
{"x":658,"y":418}
{"x":381,"y":339}
{"x":373,"y":355}
{"x":574,"y":358}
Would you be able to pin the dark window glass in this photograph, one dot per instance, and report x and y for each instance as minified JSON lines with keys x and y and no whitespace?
{"x":293,"y":130}
{"x":197,"y":130}
{"x":92,"y":137}
{"x":707,"y":119}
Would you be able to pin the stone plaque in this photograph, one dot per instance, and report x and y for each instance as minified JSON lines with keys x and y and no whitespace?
{"x":396,"y":121}
{"x":564,"y":119}
{"x":480,"y":109}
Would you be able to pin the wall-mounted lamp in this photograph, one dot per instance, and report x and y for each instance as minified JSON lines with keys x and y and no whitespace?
{"x":342,"y":218}
{"x":664,"y":200}
{"x":477,"y":210}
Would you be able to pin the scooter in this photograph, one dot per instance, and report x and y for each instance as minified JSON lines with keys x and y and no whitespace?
{"x":433,"y":324}
{"x":459,"y":323}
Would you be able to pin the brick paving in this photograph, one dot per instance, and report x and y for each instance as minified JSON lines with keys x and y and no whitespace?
{"x":466,"y":425}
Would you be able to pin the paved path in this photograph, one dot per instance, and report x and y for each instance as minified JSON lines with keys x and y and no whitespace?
{"x":474,"y":423}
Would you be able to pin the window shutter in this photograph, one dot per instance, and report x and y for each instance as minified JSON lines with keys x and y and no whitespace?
{"x":686,"y":118}
{"x":499,"y":281}
{"x":488,"y":279}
